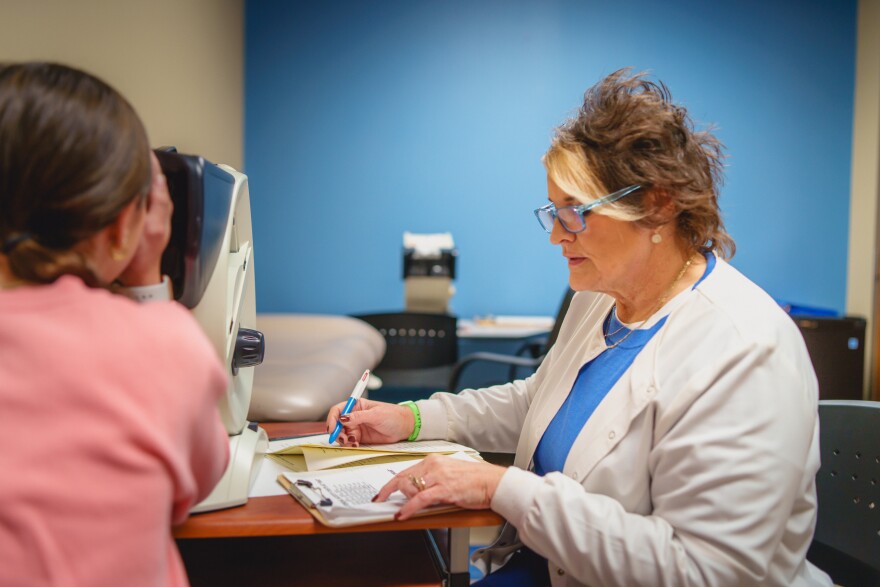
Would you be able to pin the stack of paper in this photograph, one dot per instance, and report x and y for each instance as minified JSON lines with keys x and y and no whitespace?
{"x":314,"y":453}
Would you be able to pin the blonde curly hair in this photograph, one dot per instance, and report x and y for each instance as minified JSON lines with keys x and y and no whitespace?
{"x":629,"y":132}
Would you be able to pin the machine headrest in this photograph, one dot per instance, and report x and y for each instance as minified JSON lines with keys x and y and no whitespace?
{"x":202,"y":194}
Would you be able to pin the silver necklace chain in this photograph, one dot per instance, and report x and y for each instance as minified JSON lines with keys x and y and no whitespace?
{"x":622,"y":325}
{"x":660,"y":301}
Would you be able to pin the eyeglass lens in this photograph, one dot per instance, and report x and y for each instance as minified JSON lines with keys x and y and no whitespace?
{"x":571,"y":219}
{"x":545,"y":217}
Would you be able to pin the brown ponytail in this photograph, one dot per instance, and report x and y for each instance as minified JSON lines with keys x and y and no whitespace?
{"x":73,"y":154}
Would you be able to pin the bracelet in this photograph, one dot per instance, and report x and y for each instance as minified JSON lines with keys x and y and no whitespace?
{"x":159,"y":292}
{"x":418,"y":415}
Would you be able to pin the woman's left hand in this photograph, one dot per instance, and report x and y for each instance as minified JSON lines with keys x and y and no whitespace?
{"x":440,"y":479}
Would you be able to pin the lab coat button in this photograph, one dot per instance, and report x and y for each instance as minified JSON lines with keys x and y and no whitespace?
{"x":560,"y":572}
{"x":611,"y":435}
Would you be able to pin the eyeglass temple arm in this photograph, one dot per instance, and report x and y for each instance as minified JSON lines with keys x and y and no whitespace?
{"x":612,"y":197}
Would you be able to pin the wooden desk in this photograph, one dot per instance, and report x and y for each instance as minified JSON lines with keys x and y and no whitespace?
{"x":284,"y":518}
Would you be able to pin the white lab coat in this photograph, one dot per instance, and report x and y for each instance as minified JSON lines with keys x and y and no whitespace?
{"x":698,"y":467}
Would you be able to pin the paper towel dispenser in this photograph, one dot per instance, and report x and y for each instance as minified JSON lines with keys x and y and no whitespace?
{"x":428,"y":271}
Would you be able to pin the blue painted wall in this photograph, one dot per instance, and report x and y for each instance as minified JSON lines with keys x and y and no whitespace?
{"x":366,"y":119}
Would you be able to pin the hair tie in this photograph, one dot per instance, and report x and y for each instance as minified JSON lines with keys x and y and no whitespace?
{"x":13,"y":241}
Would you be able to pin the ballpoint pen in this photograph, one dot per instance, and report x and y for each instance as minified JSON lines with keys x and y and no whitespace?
{"x":349,"y":405}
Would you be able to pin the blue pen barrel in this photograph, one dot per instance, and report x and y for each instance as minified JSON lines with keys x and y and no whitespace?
{"x":349,"y":405}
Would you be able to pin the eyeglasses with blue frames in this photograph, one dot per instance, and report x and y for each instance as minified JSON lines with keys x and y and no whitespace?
{"x":572,"y":218}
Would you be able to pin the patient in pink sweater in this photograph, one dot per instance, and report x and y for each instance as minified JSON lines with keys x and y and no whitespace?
{"x":109,"y":430}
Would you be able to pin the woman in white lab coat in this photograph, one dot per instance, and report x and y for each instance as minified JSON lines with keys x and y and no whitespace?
{"x":670,"y":436}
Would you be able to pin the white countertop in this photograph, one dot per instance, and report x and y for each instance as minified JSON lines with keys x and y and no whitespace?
{"x":504,"y":326}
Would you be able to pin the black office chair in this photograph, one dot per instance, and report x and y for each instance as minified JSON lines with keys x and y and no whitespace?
{"x":846,"y":544}
{"x":529,"y":356}
{"x":421,"y":349}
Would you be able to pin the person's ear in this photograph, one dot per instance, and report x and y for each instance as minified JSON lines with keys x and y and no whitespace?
{"x":660,"y":206}
{"x":123,"y":234}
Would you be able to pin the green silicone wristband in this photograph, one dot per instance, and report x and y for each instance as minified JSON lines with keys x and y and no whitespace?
{"x":418,"y":415}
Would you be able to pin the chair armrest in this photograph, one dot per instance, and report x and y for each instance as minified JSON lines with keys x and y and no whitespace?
{"x":498,"y":358}
{"x":534,"y":347}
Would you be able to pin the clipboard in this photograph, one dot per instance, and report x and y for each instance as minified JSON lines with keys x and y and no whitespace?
{"x":325,"y":494}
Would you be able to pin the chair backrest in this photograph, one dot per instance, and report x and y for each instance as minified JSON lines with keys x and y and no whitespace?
{"x":560,"y":316}
{"x":415,"y":340}
{"x":848,"y":483}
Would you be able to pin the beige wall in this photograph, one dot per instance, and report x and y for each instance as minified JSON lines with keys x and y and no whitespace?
{"x":865,"y":188}
{"x":179,"y":62}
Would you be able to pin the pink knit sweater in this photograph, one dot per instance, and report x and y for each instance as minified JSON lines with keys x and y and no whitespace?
{"x":109,"y":433}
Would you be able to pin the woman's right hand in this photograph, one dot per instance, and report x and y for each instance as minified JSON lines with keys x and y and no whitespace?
{"x":145,"y":266}
{"x":372,"y":422}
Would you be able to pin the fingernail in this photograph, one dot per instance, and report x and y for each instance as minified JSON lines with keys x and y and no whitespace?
{"x":375,"y":497}
{"x":344,"y":418}
{"x":352,"y":439}
{"x":397,"y":516}
{"x":355,"y":444}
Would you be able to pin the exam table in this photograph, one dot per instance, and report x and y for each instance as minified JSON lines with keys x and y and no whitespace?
{"x":311,"y":363}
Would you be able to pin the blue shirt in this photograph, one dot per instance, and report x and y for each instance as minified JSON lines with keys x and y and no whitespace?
{"x":594,"y":381}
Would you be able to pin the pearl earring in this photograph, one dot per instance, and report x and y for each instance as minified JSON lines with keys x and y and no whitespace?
{"x":656,"y":238}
